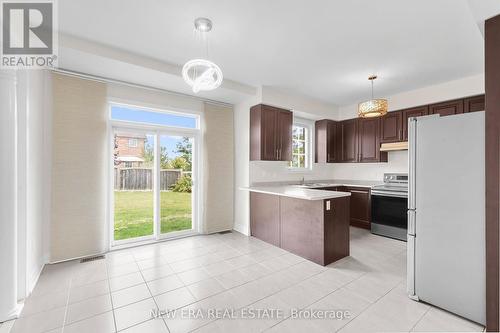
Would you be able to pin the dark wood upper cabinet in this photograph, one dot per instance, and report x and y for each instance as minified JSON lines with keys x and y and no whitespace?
{"x":369,"y":141}
{"x":413,"y":112}
{"x":349,"y":146}
{"x":326,"y":150}
{"x":447,"y":108}
{"x":284,"y":135}
{"x":270,"y":133}
{"x":391,"y":127}
{"x":473,"y":104}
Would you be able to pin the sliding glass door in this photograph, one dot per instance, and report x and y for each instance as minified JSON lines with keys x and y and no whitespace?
{"x":154,"y":175}
{"x":176,"y":183}
{"x":133,"y":174}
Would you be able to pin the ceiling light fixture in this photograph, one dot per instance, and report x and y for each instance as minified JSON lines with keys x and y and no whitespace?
{"x":375,"y":107}
{"x":202,"y":74}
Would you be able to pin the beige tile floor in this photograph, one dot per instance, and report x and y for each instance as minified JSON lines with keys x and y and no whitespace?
{"x":231,"y":271}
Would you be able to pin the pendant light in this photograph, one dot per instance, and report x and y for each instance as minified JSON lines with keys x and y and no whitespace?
{"x":375,"y":107}
{"x":202,"y":74}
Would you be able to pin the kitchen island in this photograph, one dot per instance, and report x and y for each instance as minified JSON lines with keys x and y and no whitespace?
{"x":313,"y":224}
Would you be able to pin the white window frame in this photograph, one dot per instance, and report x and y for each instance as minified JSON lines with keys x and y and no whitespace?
{"x":135,"y":143}
{"x":157,"y":130}
{"x":309,"y":126}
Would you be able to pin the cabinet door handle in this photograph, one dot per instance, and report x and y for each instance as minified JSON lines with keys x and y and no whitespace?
{"x":279,"y":154}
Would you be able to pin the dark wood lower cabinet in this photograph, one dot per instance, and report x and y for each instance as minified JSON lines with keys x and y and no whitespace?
{"x":265,"y":217}
{"x":360,"y":206}
{"x":317,"y":230}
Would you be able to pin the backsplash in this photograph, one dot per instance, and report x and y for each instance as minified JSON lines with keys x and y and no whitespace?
{"x":265,"y":171}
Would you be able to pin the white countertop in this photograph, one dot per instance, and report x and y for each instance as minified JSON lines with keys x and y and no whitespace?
{"x":294,"y":191}
{"x":308,"y":191}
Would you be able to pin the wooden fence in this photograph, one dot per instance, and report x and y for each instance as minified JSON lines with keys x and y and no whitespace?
{"x":141,"y":179}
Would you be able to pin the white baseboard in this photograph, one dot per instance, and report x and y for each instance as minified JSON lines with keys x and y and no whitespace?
{"x":242,"y":229}
{"x":14,"y":314}
{"x":33,"y":279}
{"x":216,"y":230}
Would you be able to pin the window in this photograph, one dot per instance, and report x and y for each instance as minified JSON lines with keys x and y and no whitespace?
{"x":135,"y":114}
{"x":154,"y":173}
{"x":300,"y":146}
{"x":132,"y":143}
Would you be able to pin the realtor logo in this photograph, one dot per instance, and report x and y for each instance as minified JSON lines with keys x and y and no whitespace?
{"x":28,"y":34}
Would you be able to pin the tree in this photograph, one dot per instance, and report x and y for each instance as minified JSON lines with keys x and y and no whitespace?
{"x":179,"y":163}
{"x":149,"y":156}
{"x":185,"y":148}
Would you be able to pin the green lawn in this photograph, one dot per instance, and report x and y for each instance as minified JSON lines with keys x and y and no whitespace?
{"x":134,"y":213}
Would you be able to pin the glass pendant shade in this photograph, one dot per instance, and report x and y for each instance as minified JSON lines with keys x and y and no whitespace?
{"x":373,"y":108}
{"x":202,"y":74}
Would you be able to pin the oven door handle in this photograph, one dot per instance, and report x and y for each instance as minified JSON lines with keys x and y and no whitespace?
{"x":389,"y":194}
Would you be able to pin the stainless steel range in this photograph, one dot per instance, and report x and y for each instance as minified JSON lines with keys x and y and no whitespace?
{"x":389,"y":206}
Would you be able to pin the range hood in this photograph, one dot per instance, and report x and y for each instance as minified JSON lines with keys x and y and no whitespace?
{"x":394,"y":146}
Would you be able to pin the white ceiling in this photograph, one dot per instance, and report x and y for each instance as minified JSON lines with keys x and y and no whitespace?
{"x":322,"y":49}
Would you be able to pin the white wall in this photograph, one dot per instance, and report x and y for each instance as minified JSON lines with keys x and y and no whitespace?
{"x":32,"y":172}
{"x":36,"y":173}
{"x":242,"y":162}
{"x":302,"y":106}
{"x":8,"y":199}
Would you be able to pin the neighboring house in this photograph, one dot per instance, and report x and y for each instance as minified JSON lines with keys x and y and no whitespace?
{"x":130,"y":150}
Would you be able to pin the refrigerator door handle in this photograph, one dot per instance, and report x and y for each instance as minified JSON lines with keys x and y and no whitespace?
{"x":410,"y":268}
{"x":412,"y":155}
{"x":411,"y":222}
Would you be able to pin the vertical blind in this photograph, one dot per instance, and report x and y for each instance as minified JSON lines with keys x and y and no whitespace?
{"x":79,"y":164}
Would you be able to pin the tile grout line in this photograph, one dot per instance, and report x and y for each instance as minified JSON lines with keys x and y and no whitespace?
{"x":67,"y":303}
{"x":372,"y":304}
{"x":420,"y":319}
{"x":154,"y":300}
{"x":111,"y":298}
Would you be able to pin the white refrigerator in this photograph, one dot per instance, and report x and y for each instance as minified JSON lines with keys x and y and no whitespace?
{"x":446,"y":213}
